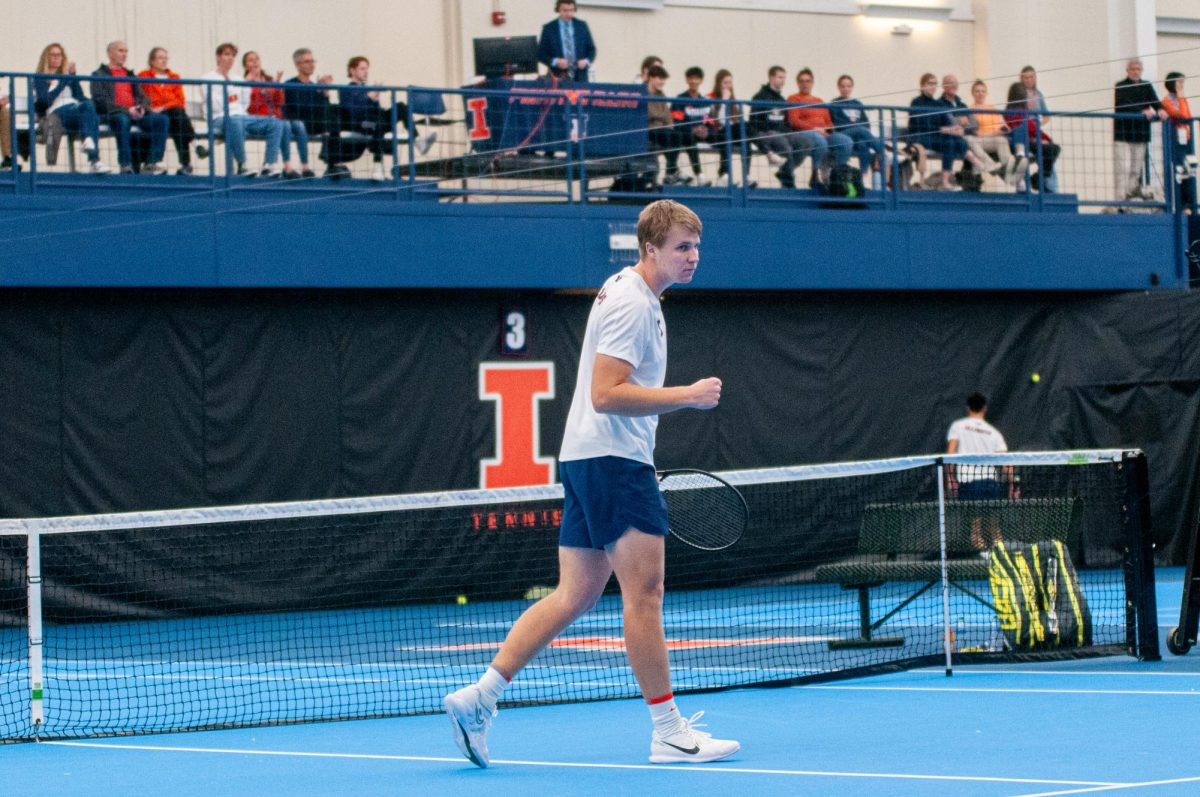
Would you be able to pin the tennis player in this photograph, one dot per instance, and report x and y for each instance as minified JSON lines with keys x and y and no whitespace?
{"x":614,"y":516}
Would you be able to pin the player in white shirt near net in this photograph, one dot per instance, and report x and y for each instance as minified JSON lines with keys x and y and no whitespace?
{"x":974,"y":435}
{"x":614,"y":516}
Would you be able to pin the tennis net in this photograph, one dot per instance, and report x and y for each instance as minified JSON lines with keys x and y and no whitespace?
{"x":353,"y":608}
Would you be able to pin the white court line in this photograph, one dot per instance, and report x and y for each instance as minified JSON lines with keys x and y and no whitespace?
{"x":971,"y":670}
{"x":576,"y":765}
{"x":1114,"y":787}
{"x":996,"y":690}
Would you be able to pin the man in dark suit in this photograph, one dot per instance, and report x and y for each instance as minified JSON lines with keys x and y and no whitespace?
{"x":566,"y":45}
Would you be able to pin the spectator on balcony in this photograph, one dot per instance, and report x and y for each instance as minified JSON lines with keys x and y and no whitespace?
{"x":566,"y":45}
{"x":815,"y":126}
{"x":663,"y":134}
{"x":990,"y":136}
{"x":1133,"y":95}
{"x":362,"y":113}
{"x":63,"y":99}
{"x":229,"y":117}
{"x":770,"y":130}
{"x":167,"y":99}
{"x":304,"y":100}
{"x":726,"y":123}
{"x":692,"y":120}
{"x":953,"y":130}
{"x":1183,"y":144}
{"x":1037,"y":122}
{"x":124,"y":106}
{"x":647,"y":62}
{"x":924,"y":115}
{"x":268,"y":101}
{"x":1028,"y":137}
{"x":850,"y":119}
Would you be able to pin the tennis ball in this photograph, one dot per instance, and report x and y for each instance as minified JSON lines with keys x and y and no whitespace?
{"x":461,"y":600}
{"x":1035,"y":378}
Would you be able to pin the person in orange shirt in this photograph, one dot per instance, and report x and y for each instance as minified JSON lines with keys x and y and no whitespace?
{"x":1183,"y":146}
{"x":168,"y":99}
{"x":815,"y":125}
{"x":990,"y":137}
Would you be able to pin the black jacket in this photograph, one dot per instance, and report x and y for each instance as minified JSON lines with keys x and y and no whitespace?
{"x":768,"y":120}
{"x":1131,"y":97}
{"x":104,"y":93}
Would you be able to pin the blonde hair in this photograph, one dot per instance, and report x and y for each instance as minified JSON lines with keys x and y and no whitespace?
{"x":657,"y":219}
{"x":43,"y":69}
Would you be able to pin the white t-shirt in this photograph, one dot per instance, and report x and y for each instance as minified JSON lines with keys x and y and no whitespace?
{"x":239,"y":96}
{"x":976,"y":436}
{"x":626,"y":322}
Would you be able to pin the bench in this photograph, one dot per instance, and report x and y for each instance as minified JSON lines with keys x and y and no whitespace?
{"x":900,"y":542}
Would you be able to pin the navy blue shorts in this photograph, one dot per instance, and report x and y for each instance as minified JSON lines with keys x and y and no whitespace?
{"x":604,"y":497}
{"x":980,"y":490}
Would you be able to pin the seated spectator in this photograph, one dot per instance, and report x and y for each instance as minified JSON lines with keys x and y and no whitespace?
{"x":269,"y":102}
{"x":953,"y":130}
{"x":304,"y":100}
{"x":850,"y":119}
{"x":362,"y":113}
{"x":691,"y":119}
{"x":647,"y":62}
{"x":990,"y":136}
{"x":124,"y":106}
{"x":228,"y":116}
{"x":661,"y":127}
{"x":1130,"y":136}
{"x":63,"y":99}
{"x":815,"y":125}
{"x":168,"y":100}
{"x":770,"y":129}
{"x":1175,"y":105}
{"x":1035,"y":102}
{"x":5,"y":133}
{"x":1028,"y":137}
{"x":923,"y":116}
{"x":726,"y":123}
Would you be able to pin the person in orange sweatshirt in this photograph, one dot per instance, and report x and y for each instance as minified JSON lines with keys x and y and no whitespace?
{"x":168,"y":99}
{"x":812,"y":120}
{"x":1183,"y":146}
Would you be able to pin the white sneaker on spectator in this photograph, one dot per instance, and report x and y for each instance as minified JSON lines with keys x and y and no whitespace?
{"x":703,"y":182}
{"x":378,"y":174}
{"x":272,"y":170}
{"x":775,"y":159}
{"x":100,"y":167}
{"x":425,"y":143}
{"x":1017,"y":173}
{"x":722,"y":181}
{"x":89,"y":144}
{"x":688,"y":745}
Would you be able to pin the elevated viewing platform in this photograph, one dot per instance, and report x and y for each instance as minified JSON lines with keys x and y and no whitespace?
{"x":532,"y":185}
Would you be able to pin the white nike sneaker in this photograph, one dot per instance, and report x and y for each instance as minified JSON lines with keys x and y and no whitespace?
{"x":688,"y":745}
{"x":471,"y":723}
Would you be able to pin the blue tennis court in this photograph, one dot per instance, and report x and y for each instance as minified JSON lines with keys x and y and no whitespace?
{"x":1066,"y":727}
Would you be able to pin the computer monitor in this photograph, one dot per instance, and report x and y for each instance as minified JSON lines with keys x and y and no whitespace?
{"x":505,"y":56}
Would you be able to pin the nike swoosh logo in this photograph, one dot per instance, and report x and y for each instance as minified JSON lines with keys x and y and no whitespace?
{"x":689,"y":751}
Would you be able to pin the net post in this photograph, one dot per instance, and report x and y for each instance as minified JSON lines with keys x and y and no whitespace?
{"x":1141,"y":608}
{"x":34,"y":595}
{"x":947,"y":632}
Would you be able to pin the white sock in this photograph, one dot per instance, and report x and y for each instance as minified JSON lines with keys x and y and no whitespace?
{"x":491,"y":686}
{"x":666,"y":716}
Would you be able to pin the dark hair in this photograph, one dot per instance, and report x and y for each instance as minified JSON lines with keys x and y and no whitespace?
{"x":223,"y":46}
{"x":718,"y":79}
{"x":650,"y":61}
{"x":843,"y":77}
{"x":804,"y":71}
{"x":354,"y":62}
{"x":1028,"y":68}
{"x":1172,"y":80}
{"x":694,"y":71}
{"x":775,"y":70}
{"x":150,"y":58}
{"x":560,"y":3}
{"x":657,"y":71}
{"x":1017,"y":95}
{"x":976,"y":402}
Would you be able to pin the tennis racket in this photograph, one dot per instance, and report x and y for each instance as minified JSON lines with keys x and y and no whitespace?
{"x":703,"y":510}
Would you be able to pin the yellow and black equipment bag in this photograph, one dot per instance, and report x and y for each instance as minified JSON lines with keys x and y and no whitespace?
{"x":1037,"y":596}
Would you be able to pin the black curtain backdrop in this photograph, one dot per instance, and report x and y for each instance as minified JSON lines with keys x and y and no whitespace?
{"x":120,"y":400}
